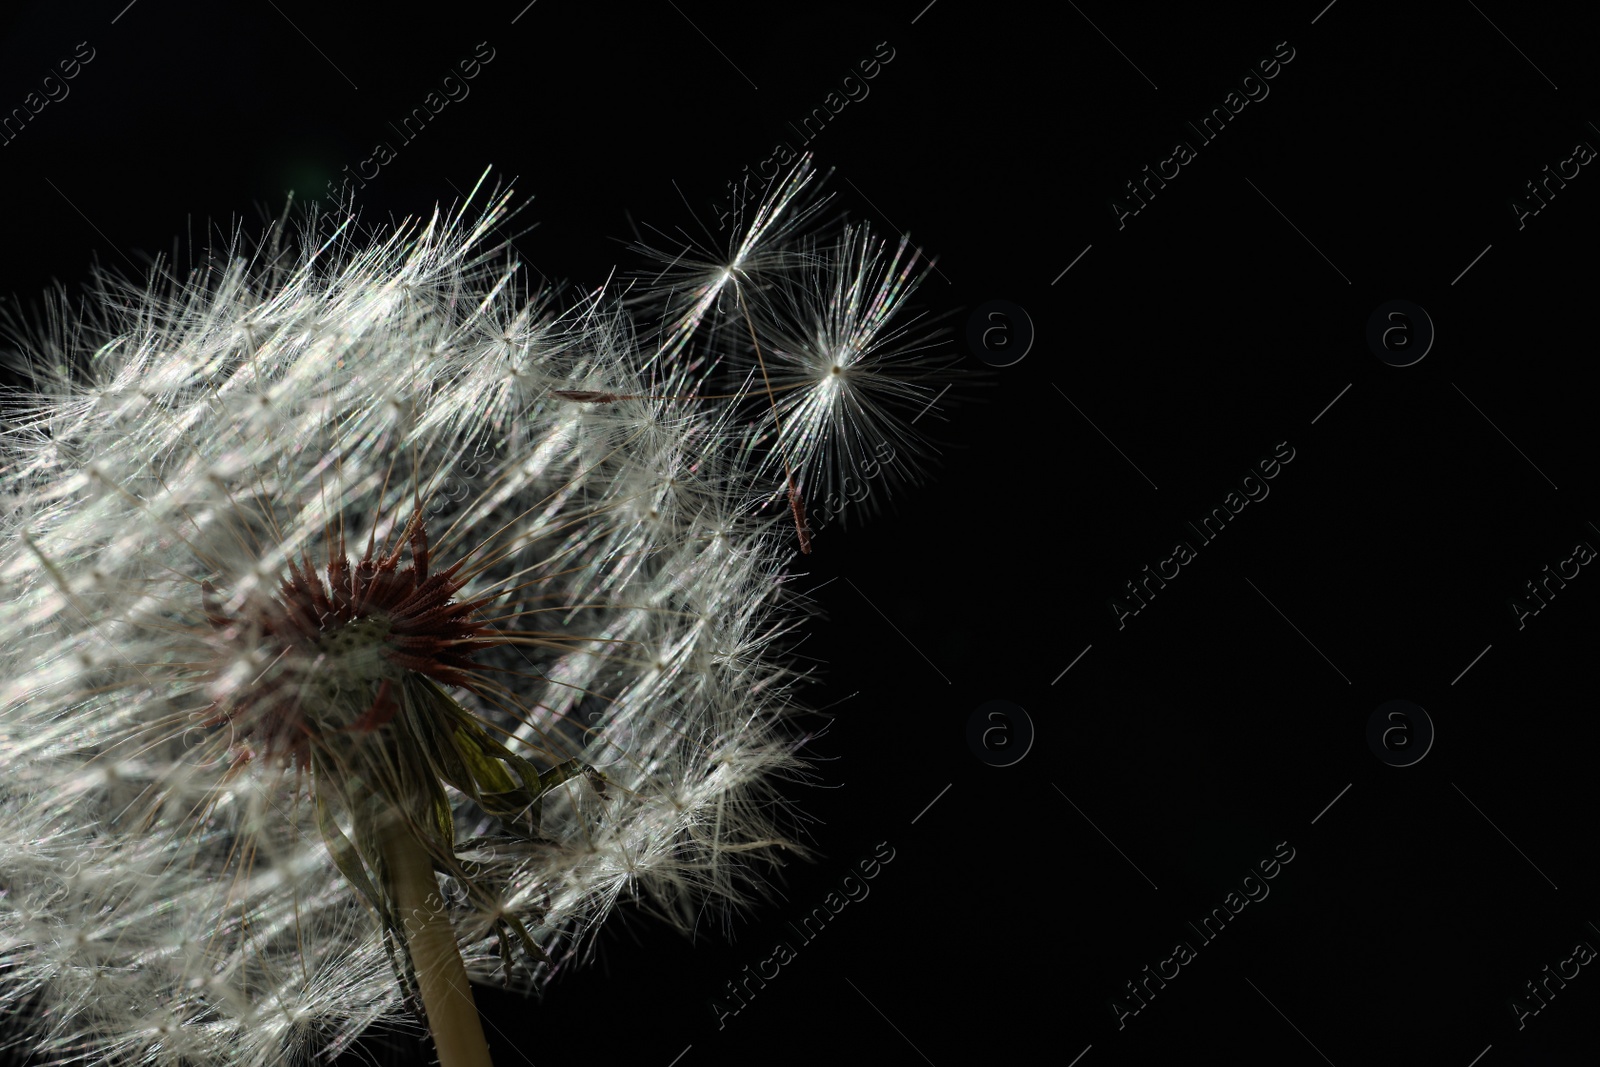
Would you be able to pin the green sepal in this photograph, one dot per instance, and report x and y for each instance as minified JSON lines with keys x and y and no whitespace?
{"x":435,"y":741}
{"x":528,"y":944}
{"x":462,"y":752}
{"x":347,"y":857}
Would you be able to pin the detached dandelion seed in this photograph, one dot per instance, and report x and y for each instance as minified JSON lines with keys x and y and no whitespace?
{"x":370,"y":626}
{"x":848,"y":375}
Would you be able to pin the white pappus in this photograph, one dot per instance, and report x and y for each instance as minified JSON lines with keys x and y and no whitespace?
{"x":344,"y":552}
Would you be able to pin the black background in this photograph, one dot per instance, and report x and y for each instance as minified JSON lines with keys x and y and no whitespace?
{"x":1223,"y":719}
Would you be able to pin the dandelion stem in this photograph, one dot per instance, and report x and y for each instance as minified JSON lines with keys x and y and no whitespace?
{"x":441,"y":976}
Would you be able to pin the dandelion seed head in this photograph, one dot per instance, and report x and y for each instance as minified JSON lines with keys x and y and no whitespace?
{"x":339,"y":519}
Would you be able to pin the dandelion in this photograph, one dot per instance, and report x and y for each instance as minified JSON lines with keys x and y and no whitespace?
{"x":370,"y":626}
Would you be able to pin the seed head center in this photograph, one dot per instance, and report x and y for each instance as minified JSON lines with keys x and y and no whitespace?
{"x":357,"y":655}
{"x":343,"y":644}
